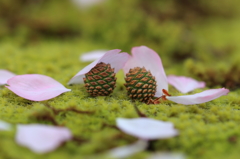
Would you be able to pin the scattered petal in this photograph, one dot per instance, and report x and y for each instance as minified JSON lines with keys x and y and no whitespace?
{"x":93,"y":55}
{"x":113,"y":57}
{"x":4,"y":76}
{"x":198,"y":98}
{"x":35,"y":87}
{"x":147,"y":128}
{"x":184,"y":84}
{"x":143,"y":56}
{"x":126,"y":151}
{"x":5,"y":126}
{"x":166,"y":155}
{"x":41,"y":138}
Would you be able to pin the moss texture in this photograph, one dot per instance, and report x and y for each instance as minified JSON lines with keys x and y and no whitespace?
{"x":204,"y":46}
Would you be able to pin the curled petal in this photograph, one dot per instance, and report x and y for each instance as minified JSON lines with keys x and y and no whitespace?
{"x":93,"y":55}
{"x":113,"y":57}
{"x":41,"y":138}
{"x":143,"y":56}
{"x":146,"y":128}
{"x":184,"y":84}
{"x":4,"y":76}
{"x":126,"y":151}
{"x":35,"y":87}
{"x":198,"y":98}
{"x":4,"y":125}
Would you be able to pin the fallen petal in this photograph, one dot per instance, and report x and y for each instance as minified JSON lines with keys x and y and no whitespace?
{"x":113,"y":57}
{"x":4,"y":125}
{"x":41,"y":138}
{"x":4,"y":76}
{"x":147,"y":128}
{"x":126,"y":151}
{"x":143,"y":56}
{"x":35,"y":87}
{"x":166,"y":155}
{"x":86,"y":3}
{"x":184,"y":84}
{"x":93,"y":55}
{"x":198,"y":98}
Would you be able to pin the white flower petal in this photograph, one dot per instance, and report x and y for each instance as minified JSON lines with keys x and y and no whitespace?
{"x":86,"y":3}
{"x":126,"y":151}
{"x":184,"y":84}
{"x":92,"y":55}
{"x":145,"y":57}
{"x":4,"y":76}
{"x":113,"y":57}
{"x":146,"y":128}
{"x":198,"y":98}
{"x":41,"y":138}
{"x":166,"y":155}
{"x":4,"y":125}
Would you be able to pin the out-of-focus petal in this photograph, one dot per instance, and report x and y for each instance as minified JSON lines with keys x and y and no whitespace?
{"x":146,"y":128}
{"x":4,"y":76}
{"x":92,"y":55}
{"x":41,"y":138}
{"x":198,"y":98}
{"x":167,"y":155}
{"x":35,"y":87}
{"x":4,"y":125}
{"x":126,"y":151}
{"x":143,"y":56}
{"x":86,"y":3}
{"x":184,"y":84}
{"x":113,"y":57}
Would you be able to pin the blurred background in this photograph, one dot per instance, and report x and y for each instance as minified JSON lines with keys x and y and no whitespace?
{"x":197,"y":38}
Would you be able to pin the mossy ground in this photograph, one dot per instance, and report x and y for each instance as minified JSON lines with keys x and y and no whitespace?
{"x":207,"y":49}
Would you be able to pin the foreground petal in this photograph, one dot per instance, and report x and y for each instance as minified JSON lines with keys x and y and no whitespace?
{"x":198,"y":98}
{"x":143,"y":56}
{"x":167,"y":155}
{"x":184,"y":84}
{"x":36,"y":87}
{"x":4,"y":76}
{"x":147,"y":128}
{"x":41,"y":138}
{"x":113,"y":57}
{"x":92,"y":55}
{"x":126,"y":151}
{"x":4,"y":125}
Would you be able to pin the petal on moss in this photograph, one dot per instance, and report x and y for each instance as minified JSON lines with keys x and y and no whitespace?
{"x":4,"y":76}
{"x":35,"y":87}
{"x":41,"y":138}
{"x":143,"y":56}
{"x":126,"y":151}
{"x":147,"y":128}
{"x":4,"y":125}
{"x":184,"y":84}
{"x":113,"y":57}
{"x":198,"y":98}
{"x":92,"y":55}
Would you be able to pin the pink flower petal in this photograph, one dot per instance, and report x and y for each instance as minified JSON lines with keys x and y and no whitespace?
{"x":4,"y":76}
{"x":184,"y":84}
{"x":126,"y":151}
{"x":92,"y":55}
{"x":113,"y":57}
{"x":147,"y":128}
{"x":143,"y":56}
{"x":198,"y":98}
{"x":35,"y":87}
{"x":41,"y":138}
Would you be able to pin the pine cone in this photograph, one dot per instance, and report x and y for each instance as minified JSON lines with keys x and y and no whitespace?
{"x":140,"y":84}
{"x":100,"y":80}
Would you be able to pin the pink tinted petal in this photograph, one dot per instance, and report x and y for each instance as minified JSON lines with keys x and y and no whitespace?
{"x":147,"y":128}
{"x":126,"y":151}
{"x":41,"y":138}
{"x":113,"y":57}
{"x":35,"y":87}
{"x":143,"y":56}
{"x":92,"y":55}
{"x":198,"y":98}
{"x":184,"y":84}
{"x":4,"y":76}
